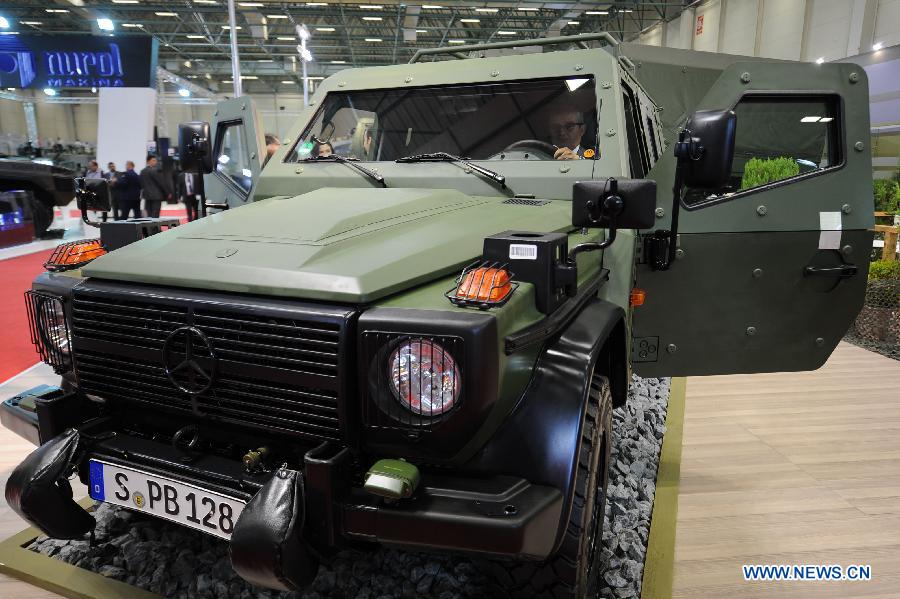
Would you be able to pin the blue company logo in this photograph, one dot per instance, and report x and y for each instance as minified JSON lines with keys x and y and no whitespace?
{"x":18,"y":67}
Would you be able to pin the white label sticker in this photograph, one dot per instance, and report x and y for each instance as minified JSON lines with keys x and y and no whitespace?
{"x":830,"y":227}
{"x":519,"y":251}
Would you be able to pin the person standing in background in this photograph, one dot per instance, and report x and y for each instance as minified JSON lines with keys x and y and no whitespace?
{"x":189,"y":188}
{"x":128,"y":184}
{"x":114,"y":192}
{"x":93,"y":171}
{"x":156,"y":187}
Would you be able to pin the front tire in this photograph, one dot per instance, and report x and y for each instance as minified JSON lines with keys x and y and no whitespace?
{"x":573,"y":572}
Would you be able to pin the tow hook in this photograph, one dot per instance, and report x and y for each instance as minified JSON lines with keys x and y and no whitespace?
{"x":40,"y":493}
{"x":255,"y":460}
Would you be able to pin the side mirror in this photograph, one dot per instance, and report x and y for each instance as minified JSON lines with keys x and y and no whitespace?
{"x":614,"y":204}
{"x":195,"y":147}
{"x":705,"y":149}
{"x":92,"y":194}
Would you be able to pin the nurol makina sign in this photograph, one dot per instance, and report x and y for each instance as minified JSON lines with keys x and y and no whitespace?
{"x":32,"y":61}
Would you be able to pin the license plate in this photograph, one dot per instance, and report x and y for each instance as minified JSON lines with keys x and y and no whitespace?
{"x":179,"y":502}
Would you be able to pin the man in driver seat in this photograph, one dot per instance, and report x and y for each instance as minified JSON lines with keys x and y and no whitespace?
{"x":567,"y":128}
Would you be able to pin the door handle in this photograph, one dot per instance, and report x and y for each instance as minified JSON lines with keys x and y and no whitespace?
{"x":844,"y":271}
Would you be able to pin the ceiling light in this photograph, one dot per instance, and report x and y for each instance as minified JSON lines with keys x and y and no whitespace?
{"x":125,"y":1}
{"x":596,"y":12}
{"x":626,"y":10}
{"x":432,"y":7}
{"x":4,"y":24}
{"x":250,"y":4}
{"x":166,"y":14}
{"x":205,"y":2}
{"x":373,"y":39}
{"x":371,"y":6}
{"x":30,"y":22}
{"x":878,"y":46}
{"x":238,"y":28}
{"x":249,"y":77}
{"x":506,"y":33}
{"x":487,"y":10}
{"x":338,"y":62}
{"x":56,"y":10}
{"x":316,"y":77}
{"x":421,"y":31}
{"x":317,"y":4}
{"x":286,"y":38}
{"x":456,"y":41}
{"x":105,"y":24}
{"x":9,"y":33}
{"x":470,"y":20}
{"x":49,"y":91}
{"x":289,"y":81}
{"x":10,"y":89}
{"x":195,"y":37}
{"x":810,"y":119}
{"x":820,"y":60}
{"x":208,"y":76}
{"x":574,"y":22}
{"x":528,"y":8}
{"x":131,"y":25}
{"x":371,"y":18}
{"x":325,"y":29}
{"x":276,"y":16}
{"x":184,"y":93}
{"x":826,"y":119}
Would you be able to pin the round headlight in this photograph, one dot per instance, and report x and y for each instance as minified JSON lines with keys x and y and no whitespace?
{"x":424,"y":377}
{"x":52,"y":326}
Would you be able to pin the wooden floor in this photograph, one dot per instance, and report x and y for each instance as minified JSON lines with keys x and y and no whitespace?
{"x":779,"y":468}
{"x":791,"y":468}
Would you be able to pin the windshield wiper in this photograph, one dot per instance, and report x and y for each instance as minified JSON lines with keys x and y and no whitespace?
{"x":445,"y":157}
{"x":351,"y":162}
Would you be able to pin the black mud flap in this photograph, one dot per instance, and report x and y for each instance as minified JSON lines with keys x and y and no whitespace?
{"x":267,"y":546}
{"x":39,"y":492}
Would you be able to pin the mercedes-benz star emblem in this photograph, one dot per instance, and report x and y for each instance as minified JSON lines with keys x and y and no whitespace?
{"x":187,"y":368}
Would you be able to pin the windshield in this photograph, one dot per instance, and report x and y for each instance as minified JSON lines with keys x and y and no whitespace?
{"x":520,"y":120}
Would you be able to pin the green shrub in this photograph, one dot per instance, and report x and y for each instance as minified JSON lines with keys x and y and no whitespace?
{"x":759,"y":171}
{"x":887,"y":195}
{"x":884,"y":269}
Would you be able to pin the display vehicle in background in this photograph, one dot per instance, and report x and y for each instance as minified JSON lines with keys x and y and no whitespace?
{"x":412,"y":326}
{"x":29,"y":192}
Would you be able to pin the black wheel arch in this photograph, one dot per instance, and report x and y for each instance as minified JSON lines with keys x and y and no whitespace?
{"x":540,"y":439}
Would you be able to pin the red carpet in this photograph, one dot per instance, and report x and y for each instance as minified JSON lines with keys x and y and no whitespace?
{"x":16,"y":351}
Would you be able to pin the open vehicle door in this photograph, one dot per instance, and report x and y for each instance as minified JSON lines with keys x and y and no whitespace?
{"x":238,"y":153}
{"x":770,"y":270}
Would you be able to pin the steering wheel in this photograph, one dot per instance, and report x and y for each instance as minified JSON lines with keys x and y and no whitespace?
{"x":534,"y":145}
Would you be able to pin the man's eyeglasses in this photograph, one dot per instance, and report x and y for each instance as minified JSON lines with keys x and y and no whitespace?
{"x":565,"y":127}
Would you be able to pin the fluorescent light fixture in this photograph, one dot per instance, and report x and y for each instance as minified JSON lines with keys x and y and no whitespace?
{"x":826,"y":119}
{"x":325,"y":29}
{"x":49,"y":91}
{"x":470,"y":20}
{"x":33,"y":23}
{"x":820,"y":60}
{"x":338,"y":62}
{"x":574,"y":84}
{"x":810,"y":119}
{"x":317,"y":4}
{"x":4,"y":24}
{"x":877,"y":46}
{"x":371,"y":18}
{"x":265,"y":60}
{"x":208,"y":76}
{"x":371,"y":6}
{"x":432,"y":7}
{"x":166,"y":14}
{"x":238,"y":28}
{"x":59,"y":10}
{"x":596,"y":12}
{"x":487,"y":10}
{"x":286,"y":38}
{"x":131,"y":25}
{"x":249,"y":77}
{"x":205,"y":2}
{"x":184,"y":93}
{"x":251,"y":4}
{"x":626,"y":10}
{"x":289,"y":82}
{"x":574,"y":22}
{"x":125,"y":2}
{"x":105,"y":24}
{"x":528,"y":8}
{"x":9,"y":33}
{"x":421,"y":31}
{"x":373,"y":39}
{"x":10,"y":89}
{"x":456,"y":41}
{"x":192,"y":36}
{"x":276,"y":16}
{"x":316,"y":77}
{"x":506,"y":33}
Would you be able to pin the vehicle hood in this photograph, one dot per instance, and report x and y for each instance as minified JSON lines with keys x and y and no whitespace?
{"x":336,"y":244}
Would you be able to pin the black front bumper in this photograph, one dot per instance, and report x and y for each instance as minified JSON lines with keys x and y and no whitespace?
{"x":489,"y":515}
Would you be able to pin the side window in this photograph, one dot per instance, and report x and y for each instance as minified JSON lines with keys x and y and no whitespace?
{"x":232,"y":159}
{"x":637,"y":153}
{"x":779,"y":138}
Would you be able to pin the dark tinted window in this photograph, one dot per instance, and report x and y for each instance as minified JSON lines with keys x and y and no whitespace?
{"x":637,"y":154}
{"x":232,"y":159}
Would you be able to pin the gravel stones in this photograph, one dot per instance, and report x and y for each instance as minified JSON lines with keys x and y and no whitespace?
{"x":885,"y":348}
{"x":177,"y":562}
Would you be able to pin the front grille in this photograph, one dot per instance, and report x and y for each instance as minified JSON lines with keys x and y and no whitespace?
{"x":274,"y":364}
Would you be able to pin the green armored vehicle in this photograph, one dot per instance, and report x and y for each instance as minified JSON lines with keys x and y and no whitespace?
{"x":410,"y":327}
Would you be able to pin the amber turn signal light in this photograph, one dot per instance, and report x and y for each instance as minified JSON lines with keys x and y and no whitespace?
{"x":485,"y":285}
{"x":637,"y":297}
{"x":68,"y":256}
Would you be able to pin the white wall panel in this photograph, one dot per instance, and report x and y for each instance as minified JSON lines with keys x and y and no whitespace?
{"x":653,"y":37}
{"x":887,"y":23}
{"x":782,"y":29}
{"x":828,"y":29}
{"x":739,"y":26}
{"x":673,"y":33}
{"x":708,"y":39}
{"x":125,"y":125}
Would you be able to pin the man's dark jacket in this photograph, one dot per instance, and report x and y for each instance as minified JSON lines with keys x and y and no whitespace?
{"x":129,"y":186}
{"x":156,"y":184}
